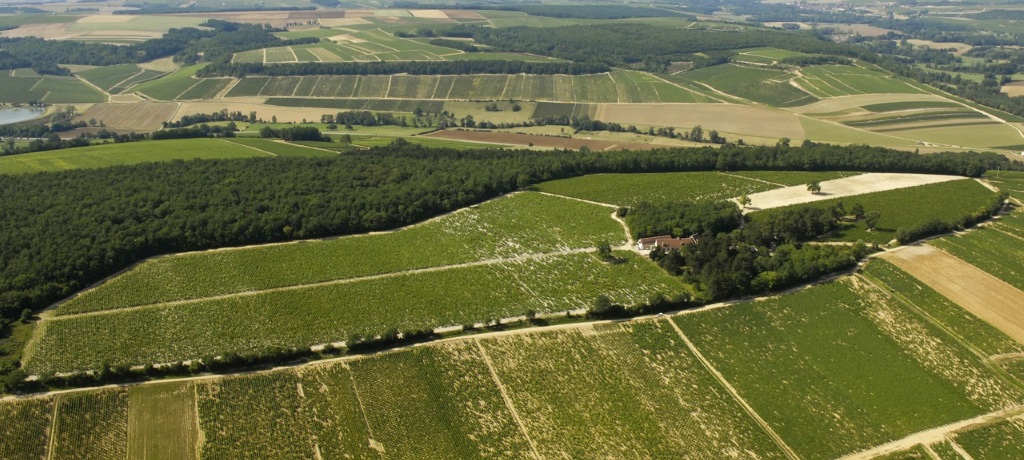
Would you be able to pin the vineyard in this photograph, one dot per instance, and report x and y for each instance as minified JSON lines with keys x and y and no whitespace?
{"x":995,"y":249}
{"x":630,"y":189}
{"x":520,"y":224}
{"x":91,"y":426}
{"x":898,"y":373}
{"x":343,"y":310}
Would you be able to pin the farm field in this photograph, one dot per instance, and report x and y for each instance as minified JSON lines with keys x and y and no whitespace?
{"x":25,"y":428}
{"x":171,"y":86}
{"x":996,"y":250}
{"x":630,"y":189}
{"x":281,"y":148}
{"x":884,"y":387}
{"x":162,"y":421}
{"x":980,"y":293}
{"x":109,"y":77}
{"x":731,"y":120}
{"x":46,"y":88}
{"x":528,"y":140}
{"x":140,"y":116}
{"x":761,"y":85}
{"x":91,"y":425}
{"x":1004,"y":440}
{"x":517,"y":225}
{"x":847,"y":186}
{"x":101,"y":156}
{"x":904,"y":207}
{"x":838,"y":80}
{"x":344,"y":310}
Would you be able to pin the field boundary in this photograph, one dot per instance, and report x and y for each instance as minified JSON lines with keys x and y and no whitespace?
{"x":735,"y":394}
{"x":508,"y":399}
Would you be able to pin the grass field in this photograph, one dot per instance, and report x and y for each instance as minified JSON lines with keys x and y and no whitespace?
{"x":304,"y":316}
{"x":904,"y":208}
{"x":282,"y":149}
{"x":162,"y":421}
{"x":526,"y":223}
{"x":630,"y":189}
{"x":644,"y":394}
{"x":101,"y":156}
{"x":766,"y":86}
{"x":857,"y":372}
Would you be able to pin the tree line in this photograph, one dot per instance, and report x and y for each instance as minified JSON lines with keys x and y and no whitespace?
{"x":236,"y":69}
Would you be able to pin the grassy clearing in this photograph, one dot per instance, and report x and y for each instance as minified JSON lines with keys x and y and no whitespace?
{"x":903,"y":208}
{"x":644,"y":395}
{"x":941,"y":311}
{"x":25,"y":428}
{"x":283,"y":149}
{"x":1002,"y":441}
{"x":91,"y":426}
{"x":313,"y":315}
{"x":436,"y":402}
{"x":860,"y":370}
{"x":162,"y":421}
{"x":105,"y":155}
{"x":526,"y":223}
{"x":630,"y":189}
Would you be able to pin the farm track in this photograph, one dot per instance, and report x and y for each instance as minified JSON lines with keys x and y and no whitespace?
{"x":508,"y":399}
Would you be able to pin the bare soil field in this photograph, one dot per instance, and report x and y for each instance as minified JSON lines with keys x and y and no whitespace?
{"x":729,"y":118}
{"x":978,"y":292}
{"x":847,"y":186}
{"x":1013,"y":89}
{"x":139,"y":116}
{"x":838,"y":104}
{"x":538,"y":141}
{"x":44,"y":31}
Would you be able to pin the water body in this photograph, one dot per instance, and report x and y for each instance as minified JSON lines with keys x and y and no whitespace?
{"x":15,"y":114}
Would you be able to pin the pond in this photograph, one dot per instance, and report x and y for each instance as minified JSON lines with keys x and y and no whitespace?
{"x":15,"y":114}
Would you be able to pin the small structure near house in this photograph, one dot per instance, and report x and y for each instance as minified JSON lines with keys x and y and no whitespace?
{"x":664,"y":242}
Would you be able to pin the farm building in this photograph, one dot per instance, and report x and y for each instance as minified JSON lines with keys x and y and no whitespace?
{"x":665,"y":242}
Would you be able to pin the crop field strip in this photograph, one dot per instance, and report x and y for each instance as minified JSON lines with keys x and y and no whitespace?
{"x":162,"y":421}
{"x":899,"y":373}
{"x":834,"y":80}
{"x":761,"y":85}
{"x":46,"y":88}
{"x":995,"y":249}
{"x":100,"y":156}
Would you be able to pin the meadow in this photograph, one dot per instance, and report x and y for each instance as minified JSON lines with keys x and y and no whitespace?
{"x":343,"y":311}
{"x":902,"y":208}
{"x":106,"y":155}
{"x":525,"y":223}
{"x":861,"y":369}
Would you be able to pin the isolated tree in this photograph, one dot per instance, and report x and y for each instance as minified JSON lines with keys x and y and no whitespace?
{"x":604,"y":251}
{"x":744,"y":201}
{"x":871,"y":219}
{"x":814,"y":187}
{"x":858,"y":211}
{"x":784,"y":142}
{"x":697,"y":134}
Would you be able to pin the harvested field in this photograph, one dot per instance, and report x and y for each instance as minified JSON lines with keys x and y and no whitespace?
{"x":141,"y":116}
{"x":960,"y":48}
{"x":246,"y":105}
{"x":554,"y":142}
{"x":847,"y":186}
{"x":1014,"y":89}
{"x":727,"y":118}
{"x":429,"y":14}
{"x":978,"y":292}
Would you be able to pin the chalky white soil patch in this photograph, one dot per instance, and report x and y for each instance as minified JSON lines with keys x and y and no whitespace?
{"x":847,"y":186}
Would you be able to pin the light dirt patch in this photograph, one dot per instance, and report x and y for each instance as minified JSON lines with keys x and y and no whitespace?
{"x":246,"y":105}
{"x":839,"y":104}
{"x":121,"y":34}
{"x":960,"y":48}
{"x":730,"y":118}
{"x":978,"y":292}
{"x":847,"y":186}
{"x":125,"y":98}
{"x":342,"y":22}
{"x":346,"y":38}
{"x":139,"y":116}
{"x":553,"y":142}
{"x":44,"y":31}
{"x":1013,"y":89}
{"x":106,"y":18}
{"x":428,"y":14}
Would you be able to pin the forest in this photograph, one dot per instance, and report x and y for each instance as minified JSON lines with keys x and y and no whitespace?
{"x":228,"y":69}
{"x":643,"y":46}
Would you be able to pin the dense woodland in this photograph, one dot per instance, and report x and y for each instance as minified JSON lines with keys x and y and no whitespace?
{"x":643,"y":46}
{"x":228,"y":69}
